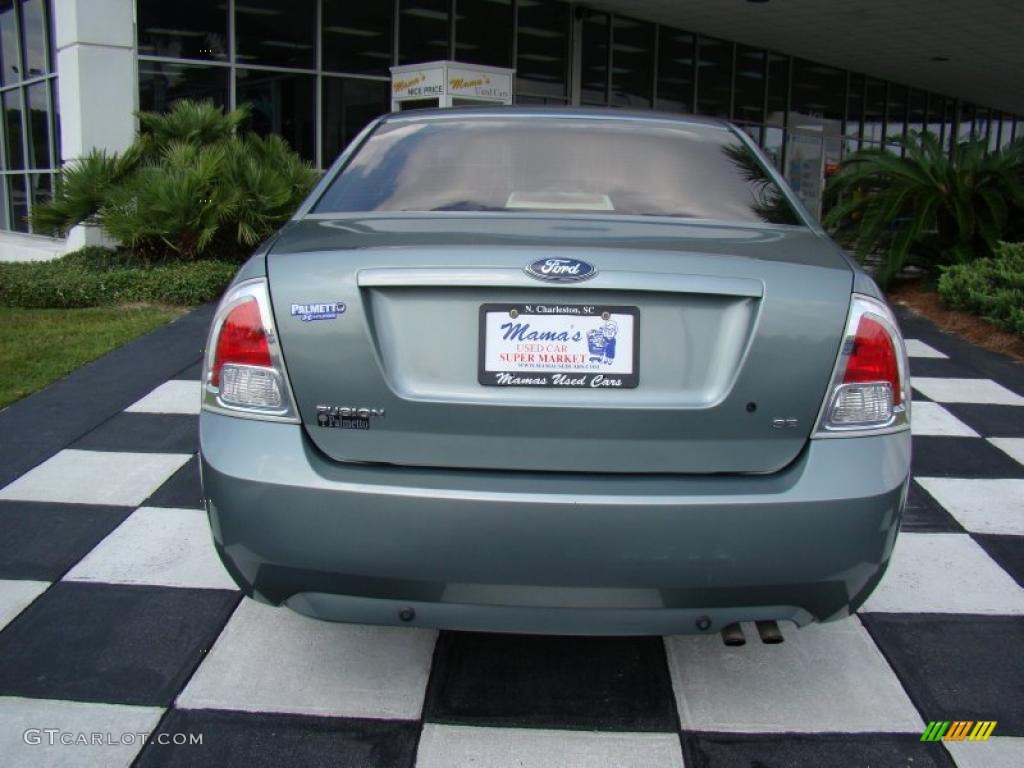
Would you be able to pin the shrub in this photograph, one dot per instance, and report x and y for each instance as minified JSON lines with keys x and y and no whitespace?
{"x":95,"y":277}
{"x":927,"y":207}
{"x":992,"y":287}
{"x":190,"y":187}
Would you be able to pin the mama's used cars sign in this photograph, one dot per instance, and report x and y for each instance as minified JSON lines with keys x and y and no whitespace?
{"x":448,"y":84}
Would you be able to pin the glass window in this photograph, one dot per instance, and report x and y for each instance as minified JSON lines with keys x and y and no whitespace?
{"x":917,"y":111}
{"x":896,"y":113}
{"x":15,"y":155}
{"x":774,"y":141}
{"x":854,"y":112}
{"x":818,"y":90}
{"x":778,"y":88}
{"x":282,"y":103}
{"x":936,"y":114}
{"x":38,"y":126}
{"x":349,"y":104}
{"x":277,"y":34}
{"x":34,"y":34}
{"x":1006,"y":130}
{"x":714,"y":76}
{"x":543,"y":47}
{"x":874,"y":110}
{"x":594,"y":60}
{"x":161,"y":84}
{"x":18,"y":199}
{"x":423,"y":31}
{"x":966,"y":122}
{"x":183,"y":29}
{"x":41,"y":187}
{"x":10,"y":66}
{"x":750,"y":84}
{"x":358,"y":37}
{"x":599,"y":167}
{"x":675,"y":70}
{"x":483,"y":32}
{"x":632,"y":74}
{"x":981,"y":125}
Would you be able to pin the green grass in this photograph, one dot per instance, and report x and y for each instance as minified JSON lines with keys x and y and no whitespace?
{"x":39,"y":346}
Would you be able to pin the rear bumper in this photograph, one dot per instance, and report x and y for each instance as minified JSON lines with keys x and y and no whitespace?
{"x":552,"y":553}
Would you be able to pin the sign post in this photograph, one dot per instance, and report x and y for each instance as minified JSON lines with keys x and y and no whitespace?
{"x":449,"y":84}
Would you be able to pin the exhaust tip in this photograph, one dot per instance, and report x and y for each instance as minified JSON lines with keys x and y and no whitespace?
{"x":733,"y":636}
{"x":769,"y":632}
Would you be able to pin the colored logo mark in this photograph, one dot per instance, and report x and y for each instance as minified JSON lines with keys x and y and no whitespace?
{"x":958,"y":730}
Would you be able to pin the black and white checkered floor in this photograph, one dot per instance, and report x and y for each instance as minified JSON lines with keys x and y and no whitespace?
{"x":118,"y":618}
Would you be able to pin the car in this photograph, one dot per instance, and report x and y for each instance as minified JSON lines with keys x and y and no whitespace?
{"x":560,"y":371}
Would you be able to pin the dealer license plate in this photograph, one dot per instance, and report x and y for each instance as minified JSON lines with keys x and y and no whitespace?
{"x":559,"y":345}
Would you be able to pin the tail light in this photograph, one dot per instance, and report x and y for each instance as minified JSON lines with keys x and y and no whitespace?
{"x":243,"y":372}
{"x":870,"y":387}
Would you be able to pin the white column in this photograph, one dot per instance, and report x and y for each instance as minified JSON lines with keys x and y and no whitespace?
{"x":97,"y":82}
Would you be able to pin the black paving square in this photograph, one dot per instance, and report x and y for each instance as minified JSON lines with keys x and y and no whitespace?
{"x":182,"y":489}
{"x":957,"y":667}
{"x":110,"y":643}
{"x":551,"y":682}
{"x":923,"y":514}
{"x":1007,"y":551}
{"x":937,"y":367}
{"x":990,"y":420}
{"x":253,"y":740}
{"x":193,"y":373}
{"x":42,"y":540}
{"x":790,"y":750}
{"x":961,"y":457}
{"x":144,"y":433}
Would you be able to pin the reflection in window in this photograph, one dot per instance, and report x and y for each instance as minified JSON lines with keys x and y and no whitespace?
{"x":966,"y":119}
{"x":750,"y":84}
{"x":183,"y":29}
{"x":936,"y":115}
{"x":874,"y":111}
{"x":854,"y":113}
{"x":10,"y":68}
{"x":818,"y":90}
{"x":161,"y":84}
{"x":778,"y":88}
{"x":38,"y":126}
{"x":281,"y":103}
{"x":543,"y":48}
{"x":714,"y":76}
{"x":34,"y":38}
{"x":349,"y":104}
{"x":423,"y":31}
{"x":1006,"y":131}
{"x":896,"y":113}
{"x":270,"y":32}
{"x":675,"y":70}
{"x":357,"y":37}
{"x":632,"y":78}
{"x":917,"y":111}
{"x":594,"y":60}
{"x":15,"y":156}
{"x":483,"y":32}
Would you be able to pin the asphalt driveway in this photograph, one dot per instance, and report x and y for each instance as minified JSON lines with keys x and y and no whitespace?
{"x":119,"y":628}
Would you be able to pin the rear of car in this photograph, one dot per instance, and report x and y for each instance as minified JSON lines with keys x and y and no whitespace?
{"x":571,"y":372}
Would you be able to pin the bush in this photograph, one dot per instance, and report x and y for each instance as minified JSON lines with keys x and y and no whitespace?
{"x":992,"y":287}
{"x":190,"y":187}
{"x":94,"y":277}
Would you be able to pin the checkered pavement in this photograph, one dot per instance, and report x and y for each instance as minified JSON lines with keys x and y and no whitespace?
{"x":117,"y":618}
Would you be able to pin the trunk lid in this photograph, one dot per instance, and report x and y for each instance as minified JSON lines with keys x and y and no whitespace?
{"x":737,"y":331}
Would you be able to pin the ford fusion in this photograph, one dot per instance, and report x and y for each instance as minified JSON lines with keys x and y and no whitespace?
{"x":574,"y":372}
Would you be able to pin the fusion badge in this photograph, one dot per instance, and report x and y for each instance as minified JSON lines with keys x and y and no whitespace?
{"x":561,"y":270}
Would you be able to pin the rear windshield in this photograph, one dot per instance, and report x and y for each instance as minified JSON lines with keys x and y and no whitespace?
{"x":577,"y":165}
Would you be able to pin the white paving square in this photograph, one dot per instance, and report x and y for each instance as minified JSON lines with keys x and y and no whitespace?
{"x":997,"y":752}
{"x":275,"y":660}
{"x":984,"y":391}
{"x":15,"y":597}
{"x":917,"y":348}
{"x":96,"y":477}
{"x":23,"y":720}
{"x":932,"y":419}
{"x":824,"y":677}
{"x":458,"y":746}
{"x":168,"y":547}
{"x":980,"y":506}
{"x":172,"y":396}
{"x":1012,"y":446}
{"x":944,"y":573}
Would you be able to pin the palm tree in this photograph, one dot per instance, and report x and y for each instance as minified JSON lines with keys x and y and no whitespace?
{"x":927,"y":207}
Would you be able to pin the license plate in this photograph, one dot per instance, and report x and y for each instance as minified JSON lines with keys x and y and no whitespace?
{"x":559,"y":345}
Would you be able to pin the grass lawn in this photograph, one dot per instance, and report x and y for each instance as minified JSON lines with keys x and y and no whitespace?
{"x":39,"y":346}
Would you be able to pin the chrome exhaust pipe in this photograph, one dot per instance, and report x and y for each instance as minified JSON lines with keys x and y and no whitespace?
{"x":769,"y":632}
{"x":733,"y":636}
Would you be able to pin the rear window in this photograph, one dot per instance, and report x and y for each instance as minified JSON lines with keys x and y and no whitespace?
{"x":575,"y":165}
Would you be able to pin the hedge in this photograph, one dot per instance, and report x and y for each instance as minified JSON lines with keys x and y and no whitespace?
{"x":992,"y":288}
{"x":94,"y":277}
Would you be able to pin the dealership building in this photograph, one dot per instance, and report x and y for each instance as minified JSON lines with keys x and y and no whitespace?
{"x":810,"y":81}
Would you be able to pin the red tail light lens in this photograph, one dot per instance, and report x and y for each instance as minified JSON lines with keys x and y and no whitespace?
{"x":241,"y":340}
{"x":873,"y":358}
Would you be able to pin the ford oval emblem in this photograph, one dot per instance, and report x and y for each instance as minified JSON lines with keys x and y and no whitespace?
{"x":561,"y":270}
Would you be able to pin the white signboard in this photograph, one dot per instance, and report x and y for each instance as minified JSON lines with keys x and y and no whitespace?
{"x":447,"y":83}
